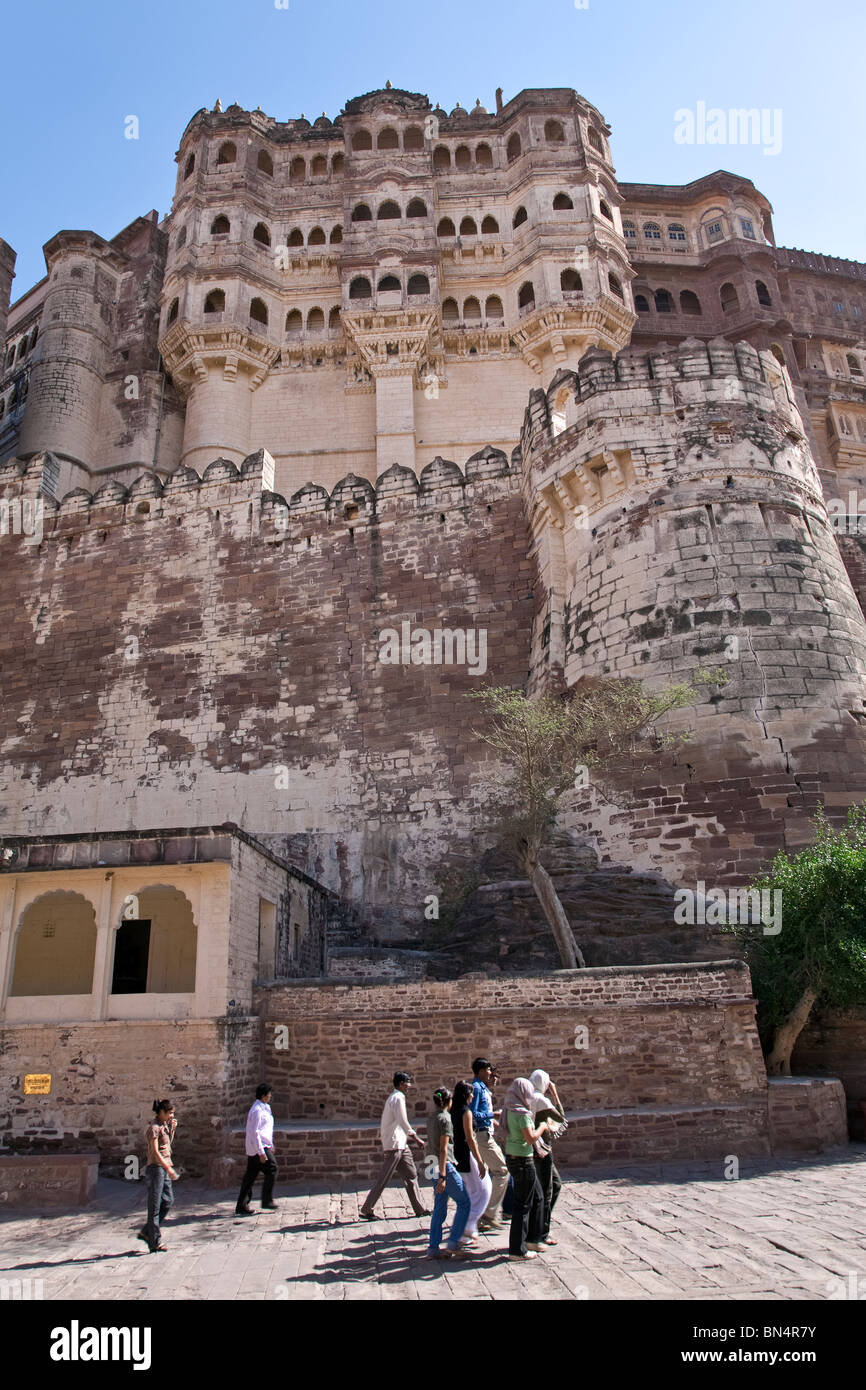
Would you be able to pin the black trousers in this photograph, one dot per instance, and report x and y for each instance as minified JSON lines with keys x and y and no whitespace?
{"x":255,"y":1165}
{"x":551,"y":1186}
{"x":528,"y":1213}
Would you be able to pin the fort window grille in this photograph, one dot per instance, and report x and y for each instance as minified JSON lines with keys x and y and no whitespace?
{"x":747,"y":229}
{"x":615,"y":287}
{"x":295,"y":237}
{"x":629,"y":231}
{"x":730,"y":300}
{"x":763,"y":293}
{"x":316,"y":237}
{"x":446,"y":228}
{"x":489,"y":227}
{"x":605,"y":211}
{"x":261,"y":234}
{"x":595,"y":140}
{"x":362,"y":140}
{"x":468,"y":227}
{"x":715,"y":232}
{"x":362,"y":213}
{"x":676,"y":232}
{"x":652,"y":231}
{"x":520,"y":217}
{"x":388,"y":211}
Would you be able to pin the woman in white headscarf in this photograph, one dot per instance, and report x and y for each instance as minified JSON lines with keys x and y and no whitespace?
{"x":521,"y":1133}
{"x":546,"y":1105}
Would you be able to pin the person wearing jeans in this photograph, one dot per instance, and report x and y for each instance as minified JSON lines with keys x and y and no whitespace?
{"x":395,"y":1133}
{"x":159,"y":1173}
{"x":528,"y":1214}
{"x":447,"y":1182}
{"x":260,"y":1154}
{"x":484,"y":1117}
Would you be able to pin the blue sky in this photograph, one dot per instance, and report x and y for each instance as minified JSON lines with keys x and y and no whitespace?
{"x":73,"y":72}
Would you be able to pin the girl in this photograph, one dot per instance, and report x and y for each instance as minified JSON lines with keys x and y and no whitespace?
{"x":470,"y":1164}
{"x":547,"y":1105}
{"x":520,"y":1135}
{"x":159,"y":1173}
{"x":447,"y":1181}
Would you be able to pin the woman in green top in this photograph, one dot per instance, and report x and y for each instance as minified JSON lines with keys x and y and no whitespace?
{"x":520,"y":1135}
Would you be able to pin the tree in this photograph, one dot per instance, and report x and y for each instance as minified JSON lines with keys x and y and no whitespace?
{"x":819,"y":956}
{"x":549,"y":746}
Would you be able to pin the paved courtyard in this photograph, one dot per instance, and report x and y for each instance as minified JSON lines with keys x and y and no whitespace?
{"x":785,"y":1229}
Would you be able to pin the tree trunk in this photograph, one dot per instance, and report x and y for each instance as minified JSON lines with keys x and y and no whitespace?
{"x":569,"y":952}
{"x":779,"y":1060}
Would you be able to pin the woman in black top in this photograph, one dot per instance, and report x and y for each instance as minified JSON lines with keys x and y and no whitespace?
{"x":468,"y":1160}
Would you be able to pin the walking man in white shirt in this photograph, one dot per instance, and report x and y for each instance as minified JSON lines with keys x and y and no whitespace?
{"x":396,"y":1133}
{"x":260,"y":1154}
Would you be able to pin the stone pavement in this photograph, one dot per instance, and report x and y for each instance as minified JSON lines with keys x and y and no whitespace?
{"x":785,"y":1229}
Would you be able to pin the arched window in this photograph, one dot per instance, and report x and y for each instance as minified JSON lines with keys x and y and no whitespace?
{"x":615,"y":287}
{"x":337,"y":165}
{"x":33,"y":336}
{"x":418,"y":284}
{"x":319,"y":167}
{"x":295,"y":237}
{"x":360,"y":288}
{"x":315,"y":321}
{"x":334,"y":317}
{"x":854,"y":367}
{"x":298,"y":170}
{"x":729,"y":297}
{"x":190,"y":165}
{"x":417,"y":208}
{"x":562,"y":202}
{"x":264,"y":163}
{"x":595,"y":140}
{"x":489,"y":226}
{"x":689,"y":302}
{"x":493,"y":309}
{"x":413,"y":138}
{"x":526,"y":297}
{"x":605,"y":210}
{"x":387,"y":139}
{"x":261,"y":234}
{"x":463,"y":157}
{"x":362,"y":213}
{"x":362,"y":140}
{"x":388,"y":211}
{"x":519,"y":217}
{"x":228,"y":153}
{"x":641,"y":304}
{"x":220,"y":226}
{"x":446,"y":228}
{"x":779,"y":354}
{"x":629,"y":231}
{"x":336,"y":235}
{"x":664,"y":302}
{"x":652,"y":231}
{"x":173,"y":309}
{"x":22,"y":348}
{"x":570,"y":281}
{"x":441,"y":158}
{"x":316,"y":237}
{"x":258,"y":311}
{"x":553,"y":132}
{"x":388,"y":283}
{"x":181,"y":239}
{"x":156,"y":953}
{"x":471,"y":310}
{"x":514,"y":148}
{"x":450,"y":312}
{"x":215,"y":302}
{"x":55,"y":947}
{"x":676,"y":232}
{"x":10,"y":356}
{"x":763,"y":293}
{"x":294,"y":323}
{"x":483,"y":157}
{"x":468,"y":227}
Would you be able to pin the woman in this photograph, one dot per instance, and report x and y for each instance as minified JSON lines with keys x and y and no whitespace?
{"x":470,"y":1164}
{"x":159,"y":1173}
{"x":520,"y":1135}
{"x":446,"y":1179}
{"x":546,"y":1105}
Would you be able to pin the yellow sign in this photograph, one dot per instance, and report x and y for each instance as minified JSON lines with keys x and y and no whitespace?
{"x":38,"y":1085}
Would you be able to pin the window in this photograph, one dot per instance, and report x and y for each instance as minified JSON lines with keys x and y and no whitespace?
{"x":526,"y":297}
{"x":689,"y":302}
{"x":764,"y":294}
{"x":362,"y":213}
{"x":190,"y":165}
{"x":595,"y":140}
{"x":22,"y":348}
{"x":298,"y":170}
{"x":629,"y":231}
{"x":387,"y":139}
{"x":471,"y":310}
{"x":258,"y":311}
{"x":493,"y":309}
{"x":360,"y":288}
{"x":316,"y":237}
{"x":173,"y":309}
{"x":554,"y":133}
{"x":228,"y":153}
{"x":418,"y":284}
{"x":641,"y":304}
{"x":441,"y":158}
{"x":676,"y":232}
{"x":362,"y":140}
{"x":652,"y":231}
{"x":562,"y":202}
{"x":729,"y":297}
{"x":295,"y":237}
{"x":337,"y":165}
{"x":450,"y":312}
{"x":315,"y":321}
{"x":334,"y":317}
{"x":569,"y":281}
{"x":388,"y":283}
{"x":156,"y":953}
{"x":853,"y":365}
{"x":715,"y":232}
{"x":294,"y":323}
{"x":215,"y":302}
{"x":446,"y":228}
{"x":463,"y":157}
{"x":264,"y":163}
{"x":220,"y":226}
{"x":747,"y":229}
{"x":468,"y":227}
{"x":489,"y":227}
{"x":519,"y":217}
{"x":483,"y":157}
{"x":55,"y":946}
{"x":416,"y":208}
{"x":261,"y":234}
{"x":336,"y":235}
{"x":319,"y":167}
{"x":181,"y":239}
{"x":388,"y":212}
{"x":838,"y":306}
{"x":514,"y":148}
{"x":413,"y":138}
{"x":605,"y":210}
{"x":615,"y":287}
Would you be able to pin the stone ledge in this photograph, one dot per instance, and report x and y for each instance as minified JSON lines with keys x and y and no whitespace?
{"x":39,"y":1180}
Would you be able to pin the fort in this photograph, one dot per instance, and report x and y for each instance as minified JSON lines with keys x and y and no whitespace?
{"x":411,"y":371}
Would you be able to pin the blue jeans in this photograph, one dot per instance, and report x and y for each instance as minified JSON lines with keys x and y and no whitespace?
{"x":460,"y":1197}
{"x":160,"y":1196}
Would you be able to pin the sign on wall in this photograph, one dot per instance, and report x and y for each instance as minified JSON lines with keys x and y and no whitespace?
{"x":38,"y":1084}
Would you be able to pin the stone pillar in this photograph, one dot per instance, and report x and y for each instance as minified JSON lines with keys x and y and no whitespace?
{"x":395,"y":420}
{"x":7,"y":936}
{"x":103,"y":959}
{"x":217,"y":417}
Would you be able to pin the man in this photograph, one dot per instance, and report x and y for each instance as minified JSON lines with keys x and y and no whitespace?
{"x":485,"y":1117}
{"x":396,"y":1133}
{"x":260,"y":1154}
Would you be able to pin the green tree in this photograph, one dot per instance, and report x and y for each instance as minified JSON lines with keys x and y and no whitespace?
{"x":819,"y":956}
{"x":551,"y":746}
